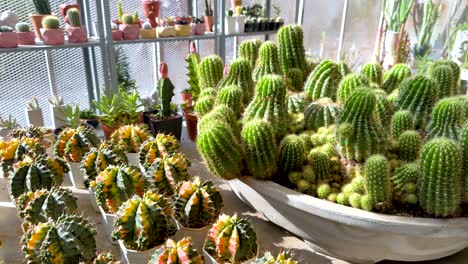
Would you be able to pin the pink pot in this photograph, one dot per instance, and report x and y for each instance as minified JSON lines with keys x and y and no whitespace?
{"x":117,"y":35}
{"x":8,"y":40}
{"x":26,"y":38}
{"x":130,"y":32}
{"x":77,"y":34}
{"x":151,"y":11}
{"x":64,"y":9}
{"x":198,"y":29}
{"x":53,"y":36}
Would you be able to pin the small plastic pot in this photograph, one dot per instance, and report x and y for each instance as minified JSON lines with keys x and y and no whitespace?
{"x":53,"y":36}
{"x":76,"y":175}
{"x":183,"y":30}
{"x":130,"y":32}
{"x":198,"y":29}
{"x":77,"y":34}
{"x":26,"y":38}
{"x":117,"y":35}
{"x":148,"y":33}
{"x":8,"y":40}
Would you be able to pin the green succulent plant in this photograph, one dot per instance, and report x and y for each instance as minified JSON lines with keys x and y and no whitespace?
{"x":267,"y":62}
{"x":323,"y":81}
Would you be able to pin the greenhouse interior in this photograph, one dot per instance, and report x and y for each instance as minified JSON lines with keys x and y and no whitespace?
{"x":241,"y":131}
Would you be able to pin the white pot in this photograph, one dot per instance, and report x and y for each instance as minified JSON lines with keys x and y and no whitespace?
{"x":230,"y":25}
{"x":58,"y":116}
{"x":93,"y":200}
{"x":76,"y":175}
{"x":108,"y":224}
{"x":133,"y":159}
{"x":349,"y":233}
{"x":135,"y":257}
{"x":240,"y":24}
{"x":34,"y":117}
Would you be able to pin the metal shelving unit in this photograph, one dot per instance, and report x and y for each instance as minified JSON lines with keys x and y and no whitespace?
{"x":93,"y":42}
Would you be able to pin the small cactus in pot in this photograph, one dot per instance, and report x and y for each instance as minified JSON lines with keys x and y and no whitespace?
{"x":173,"y":252}
{"x":73,"y":144}
{"x":51,"y":32}
{"x":8,"y":38}
{"x":130,"y":137}
{"x":157,"y":147}
{"x":76,"y":32}
{"x":25,"y":35}
{"x":129,"y":28}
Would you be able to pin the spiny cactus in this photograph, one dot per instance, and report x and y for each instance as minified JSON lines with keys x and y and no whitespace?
{"x":464,"y":144}
{"x":394,"y":76}
{"x":348,"y":84}
{"x":197,"y":204}
{"x":261,"y":151}
{"x":153,"y":213}
{"x":240,"y":74}
{"x":224,"y":114}
{"x":321,"y":165}
{"x":115,"y":185}
{"x":165,"y":91}
{"x":282,"y":258}
{"x":158,"y":147}
{"x":377,"y":181}
{"x":456,"y":71}
{"x":211,"y":71}
{"x":295,"y":78}
{"x":321,"y":113}
{"x":323,"y":81}
{"x":344,"y":69}
{"x":73,"y":144}
{"x":165,"y":173}
{"x":50,"y":22}
{"x":296,"y":103}
{"x":248,"y":50}
{"x":130,"y":137}
{"x":127,"y":19}
{"x":193,"y":68}
{"x":173,"y":252}
{"x":418,"y":95}
{"x":405,"y":180}
{"x":269,"y":103}
{"x":440,"y":185}
{"x":16,"y":149}
{"x":464,"y":102}
{"x":373,"y":71}
{"x":97,"y":160}
{"x":401,"y":121}
{"x":69,"y":239}
{"x":267,"y":62}
{"x":42,"y":205}
{"x":74,"y":16}
{"x":447,"y":119}
{"x":204,"y":105}
{"x":357,"y":120}
{"x":231,"y":96}
{"x":410,"y":144}
{"x":383,"y":107}
{"x":291,"y":48}
{"x":291,"y":153}
{"x":231,"y":239}
{"x":208,"y":92}
{"x":443,"y":76}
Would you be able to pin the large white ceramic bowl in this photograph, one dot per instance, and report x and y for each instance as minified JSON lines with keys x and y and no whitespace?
{"x":352,"y":234}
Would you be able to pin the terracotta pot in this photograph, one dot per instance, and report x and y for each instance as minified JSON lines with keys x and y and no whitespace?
{"x":64,"y":9}
{"x":108,"y":130}
{"x":130,"y":32}
{"x":36,"y":21}
{"x":53,"y":36}
{"x":209,"y":20}
{"x":148,"y":33}
{"x":191,"y":120}
{"x":26,"y":38}
{"x":151,"y":11}
{"x":8,"y":40}
{"x":187,"y":97}
{"x":164,"y":32}
{"x":183,"y":30}
{"x":77,"y":34}
{"x":198,"y":29}
{"x":117,"y":35}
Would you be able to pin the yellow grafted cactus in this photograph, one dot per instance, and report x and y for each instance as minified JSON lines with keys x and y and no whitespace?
{"x":73,"y":144}
{"x":131,"y":137}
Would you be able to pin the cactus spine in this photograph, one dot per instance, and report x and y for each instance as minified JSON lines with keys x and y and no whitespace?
{"x":373,"y":71}
{"x":394,"y":76}
{"x":405,"y":180}
{"x":321,"y":164}
{"x":377,"y":181}
{"x":456,"y":71}
{"x":291,"y":48}
{"x":447,"y":119}
{"x":165,"y":91}
{"x":50,"y":22}
{"x":321,"y":113}
{"x":401,"y":121}
{"x":73,"y":144}
{"x":204,"y":105}
{"x":224,"y":114}
{"x":410,"y":145}
{"x":443,"y":76}
{"x":173,"y":252}
{"x":249,"y":49}
{"x":291,"y":153}
{"x":157,"y":147}
{"x":232,"y":97}
{"x":323,"y":81}
{"x":240,"y":74}
{"x":348,"y":84}
{"x":74,"y":16}
{"x":267,"y":62}
{"x":295,"y":78}
{"x":384,"y":108}
{"x":211,"y":71}
{"x":165,"y":173}
{"x":464,"y":144}
{"x":130,"y":137}
{"x":344,"y":69}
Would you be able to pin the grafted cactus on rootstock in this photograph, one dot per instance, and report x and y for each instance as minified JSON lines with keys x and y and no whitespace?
{"x":321,"y":164}
{"x":410,"y":144}
{"x":394,"y":76}
{"x":447,"y":119}
{"x":373,"y":71}
{"x":153,"y":213}
{"x":157,"y":147}
{"x":231,"y":239}
{"x":267,"y":62}
{"x":269,"y":103}
{"x":348,"y":84}
{"x":321,"y":113}
{"x":291,"y":153}
{"x":464,"y":144}
{"x":193,"y":68}
{"x":232,"y":96}
{"x":418,"y":95}
{"x":249,"y":49}
{"x":173,"y":252}
{"x":165,"y":91}
{"x":197,"y":204}
{"x":443,"y":75}
{"x":115,"y":185}
{"x":401,"y":121}
{"x":42,"y":205}
{"x":356,"y":120}
{"x":211,"y":71}
{"x":240,"y":74}
{"x":323,"y":81}
{"x":291,"y":48}
{"x":456,"y":71}
{"x":73,"y":144}
{"x":204,"y":105}
{"x":130,"y":137}
{"x":69,"y":239}
{"x":166,"y":172}
{"x":260,"y":146}
{"x":405,"y":180}
{"x":440,"y":185}
{"x":281,"y":258}
{"x":377,"y":181}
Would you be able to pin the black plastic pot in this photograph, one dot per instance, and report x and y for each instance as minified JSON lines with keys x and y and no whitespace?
{"x":92,"y":122}
{"x":263,"y":26}
{"x":171,"y":125}
{"x":255,"y":27}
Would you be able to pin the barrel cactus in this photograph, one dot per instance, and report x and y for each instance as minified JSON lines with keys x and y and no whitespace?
{"x":394,"y":76}
{"x":249,"y":49}
{"x":130,"y":137}
{"x":344,"y":68}
{"x":447,"y":119}
{"x":260,"y":146}
{"x":231,"y":239}
{"x":323,"y":81}
{"x":158,"y":147}
{"x":405,"y":180}
{"x":377,"y":181}
{"x":456,"y":71}
{"x":443,"y":76}
{"x":73,"y":144}
{"x":321,"y":165}
{"x":153,"y":213}
{"x":291,"y":153}
{"x":373,"y":71}
{"x":464,"y":144}
{"x":69,"y":239}
{"x":296,"y":103}
{"x":224,"y":114}
{"x":208,"y":92}
{"x":401,"y":121}
{"x":348,"y":84}
{"x":383,"y":107}
{"x":321,"y":113}
{"x":295,"y":78}
{"x":211,"y":71}
{"x":231,"y":96}
{"x":97,"y":160}
{"x":240,"y":74}
{"x":197,"y":204}
{"x":410,"y":144}
{"x":281,"y":258}
{"x":173,"y":252}
{"x":291,"y":48}
{"x":16,"y":149}
{"x":268,"y":61}
{"x":166,"y":172}
{"x":204,"y":105}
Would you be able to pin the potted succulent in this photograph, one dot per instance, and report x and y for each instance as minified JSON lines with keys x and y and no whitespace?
{"x":17,"y":149}
{"x":8,"y":38}
{"x":197,"y":26}
{"x":173,"y":252}
{"x":277,"y":21}
{"x":89,"y":117}
{"x":51,"y":32}
{"x":63,"y":8}
{"x":25,"y":36}
{"x":167,"y":29}
{"x":7,"y":126}
{"x":136,"y":19}
{"x":208,"y":18}
{"x":156,"y":148}
{"x":151,"y":11}
{"x":137,"y":242}
{"x":147,"y":31}
{"x":75,"y":31}
{"x":42,"y":10}
{"x":165,"y":173}
{"x":34,"y":113}
{"x":57,"y":108}
{"x":182,"y":26}
{"x":229,"y":22}
{"x":129,"y":28}
{"x":130,"y":138}
{"x":239,"y":20}
{"x":116,"y":33}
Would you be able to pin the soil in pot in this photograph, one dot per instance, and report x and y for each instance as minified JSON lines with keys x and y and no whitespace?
{"x":171,"y":125}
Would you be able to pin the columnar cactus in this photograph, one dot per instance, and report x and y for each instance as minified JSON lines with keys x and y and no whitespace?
{"x":204,"y":105}
{"x":418,"y":95}
{"x":291,"y":48}
{"x":295,"y":78}
{"x":410,"y":144}
{"x":377,"y":181}
{"x":321,"y":165}
{"x":355,"y":121}
{"x":321,"y":113}
{"x":282,"y":258}
{"x":193,"y":68}
{"x":401,"y":121}
{"x":240,"y":74}
{"x":165,"y":173}
{"x":260,"y":146}
{"x":269,"y":103}
{"x":69,"y":239}
{"x":291,"y":153}
{"x":447,"y":119}
{"x":394,"y":76}
{"x":268,"y":61}
{"x":74,"y":16}
{"x":208,"y":92}
{"x":464,"y":144}
{"x":440,"y":185}
{"x":152,"y":213}
{"x":165,"y":91}
{"x":224,"y":114}
{"x":373,"y":71}
{"x":115,"y":185}
{"x":344,"y":69}
{"x":348,"y":84}
{"x":173,"y":252}
{"x":97,"y":160}
{"x":158,"y":147}
{"x":443,"y":75}
{"x":211,"y":71}
{"x":248,"y":50}
{"x":456,"y":71}
{"x":197,"y":204}
{"x":231,"y":239}
{"x":73,"y":144}
{"x":323,"y":81}
{"x":42,"y":205}
{"x":296,"y":103}
{"x":130,"y":137}
{"x":232,"y":96}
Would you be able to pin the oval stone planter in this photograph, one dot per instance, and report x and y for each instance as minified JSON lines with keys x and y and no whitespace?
{"x":352,"y":234}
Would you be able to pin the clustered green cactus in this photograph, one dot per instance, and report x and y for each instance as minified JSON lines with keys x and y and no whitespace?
{"x":443,"y":76}
{"x":344,"y":68}
{"x":320,"y":164}
{"x":232,"y":96}
{"x":410,"y":144}
{"x":249,"y":50}
{"x":74,"y":16}
{"x":456,"y":71}
{"x":291,"y":48}
{"x":447,"y":119}
{"x":173,"y":252}
{"x":383,"y":108}
{"x":464,"y":144}
{"x":193,"y":68}
{"x":204,"y":105}
{"x":165,"y":173}
{"x":323,"y":81}
{"x":295,"y":78}
{"x":211,"y":71}
{"x":405,"y":180}
{"x":296,"y":103}
{"x":321,"y":113}
{"x":240,"y":74}
{"x":373,"y":71}
{"x":267,"y":62}
{"x":292,"y":153}
{"x":377,"y":182}
{"x":393,"y":77}
{"x":348,"y":84}
{"x":401,"y":121}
